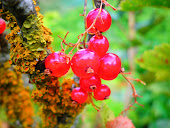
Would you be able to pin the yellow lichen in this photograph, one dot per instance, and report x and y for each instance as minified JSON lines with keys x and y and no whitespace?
{"x":26,"y":50}
{"x":15,"y":97}
{"x":31,"y":45}
{"x":56,"y":100}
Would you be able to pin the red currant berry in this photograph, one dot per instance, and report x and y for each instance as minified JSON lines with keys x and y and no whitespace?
{"x":110,"y":65}
{"x":2,"y":26}
{"x":90,"y":84}
{"x":58,"y":63}
{"x":102,"y":93}
{"x":102,"y":23}
{"x":99,"y":44}
{"x":85,"y":63}
{"x":79,"y":95}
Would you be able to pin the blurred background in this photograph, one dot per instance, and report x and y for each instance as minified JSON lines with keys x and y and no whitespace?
{"x":144,"y":50}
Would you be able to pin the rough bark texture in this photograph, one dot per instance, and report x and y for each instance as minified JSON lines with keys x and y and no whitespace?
{"x":21,"y":9}
{"x":4,"y":49}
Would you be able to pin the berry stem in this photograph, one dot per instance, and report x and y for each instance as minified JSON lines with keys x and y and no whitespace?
{"x":81,"y":35}
{"x":107,"y":4}
{"x":126,"y":73}
{"x":135,"y":95}
{"x":91,"y":101}
{"x":63,"y":41}
{"x":76,"y":44}
{"x":138,"y":80}
{"x":85,"y":23}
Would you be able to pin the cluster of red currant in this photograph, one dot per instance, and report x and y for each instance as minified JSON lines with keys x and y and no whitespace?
{"x":2,"y":26}
{"x":90,"y":64}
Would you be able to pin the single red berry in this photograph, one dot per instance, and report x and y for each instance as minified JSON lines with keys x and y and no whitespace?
{"x":102,"y":92}
{"x":58,"y":63}
{"x":110,"y":65}
{"x":85,"y":63}
{"x":79,"y":95}
{"x":90,"y":84}
{"x":99,"y":44}
{"x":2,"y":26}
{"x":102,"y":23}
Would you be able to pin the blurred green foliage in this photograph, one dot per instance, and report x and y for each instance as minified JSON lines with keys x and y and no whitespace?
{"x":157,"y":103}
{"x":135,"y":5}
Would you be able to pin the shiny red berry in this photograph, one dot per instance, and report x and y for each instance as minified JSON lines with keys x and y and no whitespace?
{"x":102,"y":93}
{"x":85,"y":63}
{"x":90,"y":84}
{"x":99,"y":44}
{"x":79,"y":95}
{"x":110,"y":65}
{"x":58,"y":63}
{"x":2,"y":26}
{"x":103,"y":21}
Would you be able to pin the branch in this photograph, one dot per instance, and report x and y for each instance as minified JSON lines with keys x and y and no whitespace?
{"x":13,"y":94}
{"x":21,"y":9}
{"x":4,"y":49}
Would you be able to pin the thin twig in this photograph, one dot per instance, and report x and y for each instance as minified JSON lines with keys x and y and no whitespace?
{"x":64,"y":42}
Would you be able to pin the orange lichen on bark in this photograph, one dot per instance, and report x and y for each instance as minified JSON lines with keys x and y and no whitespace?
{"x":55,"y":99}
{"x":15,"y":97}
{"x":29,"y":48}
{"x":36,"y":41}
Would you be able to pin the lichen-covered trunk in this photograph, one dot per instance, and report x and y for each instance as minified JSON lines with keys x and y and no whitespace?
{"x":30,"y":45}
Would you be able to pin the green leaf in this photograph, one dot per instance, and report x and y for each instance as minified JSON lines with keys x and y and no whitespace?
{"x":134,"y":5}
{"x":157,"y":61}
{"x":106,"y":113}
